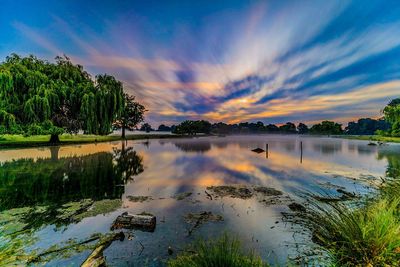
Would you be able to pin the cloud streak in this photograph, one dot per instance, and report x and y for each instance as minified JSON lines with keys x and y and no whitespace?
{"x":267,"y":61}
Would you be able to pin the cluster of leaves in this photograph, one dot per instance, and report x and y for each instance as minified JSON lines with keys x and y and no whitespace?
{"x":193,"y":127}
{"x":326,"y":127}
{"x":367,"y":126}
{"x":39,"y":97}
{"x":132,"y":114}
{"x":392,"y":115}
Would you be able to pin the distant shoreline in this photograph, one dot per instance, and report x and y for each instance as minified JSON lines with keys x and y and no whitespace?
{"x":376,"y":138}
{"x":19,"y":141}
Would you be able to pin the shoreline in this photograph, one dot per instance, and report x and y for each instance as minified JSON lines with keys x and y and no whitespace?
{"x":19,"y":141}
{"x":40,"y":140}
{"x":376,"y":138}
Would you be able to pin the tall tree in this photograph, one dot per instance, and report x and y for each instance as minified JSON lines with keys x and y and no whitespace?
{"x":392,"y":115}
{"x":132,"y":114}
{"x":39,"y":97}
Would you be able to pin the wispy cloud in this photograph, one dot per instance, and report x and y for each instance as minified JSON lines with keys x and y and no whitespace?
{"x":270,"y":61}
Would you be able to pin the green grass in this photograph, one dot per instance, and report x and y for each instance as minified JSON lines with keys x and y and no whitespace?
{"x":225,"y":251}
{"x":377,"y":138}
{"x":367,"y":234}
{"x":11,"y":141}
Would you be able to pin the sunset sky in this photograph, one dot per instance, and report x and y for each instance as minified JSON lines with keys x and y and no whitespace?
{"x":231,"y":61}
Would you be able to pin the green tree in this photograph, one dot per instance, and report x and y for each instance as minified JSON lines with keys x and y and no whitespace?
{"x":193,"y":127}
{"x":392,"y":115}
{"x":289,"y":127}
{"x":146,"y":127}
{"x":39,"y":97}
{"x":132,"y":114}
{"x":326,"y":127}
{"x":302,"y":128}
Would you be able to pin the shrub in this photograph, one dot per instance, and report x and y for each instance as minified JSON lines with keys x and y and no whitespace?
{"x":225,"y":251}
{"x":359,"y":236}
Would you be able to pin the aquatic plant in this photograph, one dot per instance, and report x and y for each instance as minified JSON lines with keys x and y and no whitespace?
{"x":225,"y":251}
{"x":367,"y":234}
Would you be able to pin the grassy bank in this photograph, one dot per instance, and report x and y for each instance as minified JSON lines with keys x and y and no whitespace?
{"x":377,"y":138}
{"x":18,"y":141}
{"x":366,"y":233}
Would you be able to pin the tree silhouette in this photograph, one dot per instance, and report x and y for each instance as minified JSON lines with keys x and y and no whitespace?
{"x":132,"y":114}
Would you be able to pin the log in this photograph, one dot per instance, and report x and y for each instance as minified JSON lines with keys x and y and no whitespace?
{"x":145,"y":222}
{"x":96,"y":258}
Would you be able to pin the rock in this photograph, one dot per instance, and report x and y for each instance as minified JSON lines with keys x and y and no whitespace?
{"x":372,"y":144}
{"x":170,"y":250}
{"x":139,"y":198}
{"x":258,"y":150}
{"x":297,"y":207}
{"x":144,"y":221}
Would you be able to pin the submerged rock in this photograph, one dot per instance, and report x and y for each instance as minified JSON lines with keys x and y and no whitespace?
{"x":235,"y":191}
{"x":243,"y":191}
{"x":197,"y":219}
{"x":143,"y":221}
{"x":139,"y":198}
{"x":182,"y":196}
{"x":267,"y":191}
{"x":258,"y":150}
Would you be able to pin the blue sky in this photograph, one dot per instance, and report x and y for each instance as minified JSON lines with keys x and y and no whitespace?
{"x":231,"y":61}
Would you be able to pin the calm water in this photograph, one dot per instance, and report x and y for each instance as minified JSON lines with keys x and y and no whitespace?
{"x":50,"y":178}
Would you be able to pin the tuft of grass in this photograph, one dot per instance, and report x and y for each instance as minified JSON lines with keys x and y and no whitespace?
{"x":359,"y":235}
{"x":225,"y":251}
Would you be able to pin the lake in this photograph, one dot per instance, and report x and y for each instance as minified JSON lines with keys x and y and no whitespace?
{"x":40,"y":189}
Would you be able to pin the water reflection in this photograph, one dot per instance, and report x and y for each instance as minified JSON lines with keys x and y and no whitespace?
{"x":104,"y":171}
{"x":55,"y":181}
{"x":193,"y":146}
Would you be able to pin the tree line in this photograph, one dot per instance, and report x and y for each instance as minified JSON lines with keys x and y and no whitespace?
{"x":40,"y":97}
{"x":388,"y":125}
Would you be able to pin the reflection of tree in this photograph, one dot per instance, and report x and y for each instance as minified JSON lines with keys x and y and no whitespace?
{"x":129,"y":163}
{"x":193,"y":146}
{"x":393,"y":158}
{"x":26,"y":182}
{"x":327,"y":148}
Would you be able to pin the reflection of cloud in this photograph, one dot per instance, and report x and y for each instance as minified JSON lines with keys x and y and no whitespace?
{"x":279,"y":62}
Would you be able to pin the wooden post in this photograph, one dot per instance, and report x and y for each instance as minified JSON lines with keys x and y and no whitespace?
{"x":301,"y":151}
{"x":266,"y":150}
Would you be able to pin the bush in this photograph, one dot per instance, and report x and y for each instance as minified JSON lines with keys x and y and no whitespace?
{"x":366,"y":235}
{"x":224,"y":251}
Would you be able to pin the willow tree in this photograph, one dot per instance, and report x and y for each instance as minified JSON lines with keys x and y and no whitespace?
{"x":40,"y":97}
{"x":392,"y":115}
